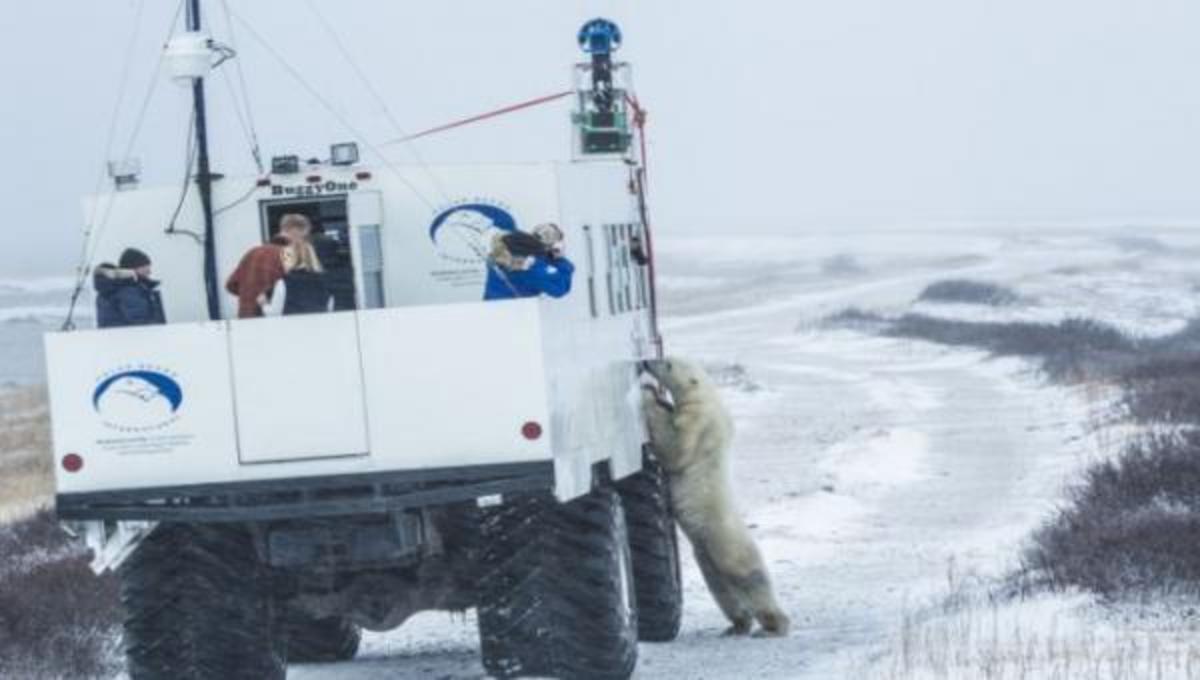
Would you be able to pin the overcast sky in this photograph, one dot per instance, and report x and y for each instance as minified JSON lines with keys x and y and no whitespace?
{"x":773,"y":115}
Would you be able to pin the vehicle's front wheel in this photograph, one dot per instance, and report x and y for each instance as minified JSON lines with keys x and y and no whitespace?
{"x":198,"y":605}
{"x":557,"y":589}
{"x":654,"y":544}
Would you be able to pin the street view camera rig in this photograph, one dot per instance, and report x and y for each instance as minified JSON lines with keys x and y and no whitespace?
{"x":602,"y":115}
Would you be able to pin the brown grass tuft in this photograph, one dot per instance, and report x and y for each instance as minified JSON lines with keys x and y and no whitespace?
{"x":26,"y":464}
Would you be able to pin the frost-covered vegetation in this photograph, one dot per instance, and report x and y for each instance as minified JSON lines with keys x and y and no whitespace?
{"x":983,"y":638}
{"x":1072,"y":348}
{"x":966,"y":291}
{"x":1130,"y":528}
{"x":57,"y":619}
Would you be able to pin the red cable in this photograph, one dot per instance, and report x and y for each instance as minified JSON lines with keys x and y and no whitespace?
{"x":639,"y":119}
{"x":643,"y":175}
{"x":491,"y":114}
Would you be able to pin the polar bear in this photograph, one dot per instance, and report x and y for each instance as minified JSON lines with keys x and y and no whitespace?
{"x":691,"y":436}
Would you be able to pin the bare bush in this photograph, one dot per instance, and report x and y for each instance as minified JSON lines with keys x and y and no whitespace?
{"x":1073,"y":348}
{"x":1164,"y":389}
{"x":57,"y":619}
{"x":1070,"y":349}
{"x":966,"y":291}
{"x":857,"y":319}
{"x":1132,"y":527}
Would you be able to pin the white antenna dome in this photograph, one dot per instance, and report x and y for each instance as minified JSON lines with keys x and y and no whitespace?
{"x":189,"y":56}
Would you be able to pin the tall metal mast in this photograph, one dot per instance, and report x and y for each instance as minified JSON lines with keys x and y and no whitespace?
{"x":204,"y":178}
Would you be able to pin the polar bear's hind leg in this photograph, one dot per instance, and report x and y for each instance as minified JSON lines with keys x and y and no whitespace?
{"x":740,"y":617}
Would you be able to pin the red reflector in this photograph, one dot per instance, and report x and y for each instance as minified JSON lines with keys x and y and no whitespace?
{"x":362,"y":176}
{"x":72,"y":462}
{"x":314,"y":179}
{"x":532,"y":430}
{"x":264,"y":182}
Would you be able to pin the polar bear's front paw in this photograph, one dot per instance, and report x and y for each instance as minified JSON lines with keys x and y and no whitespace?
{"x":774,"y":624}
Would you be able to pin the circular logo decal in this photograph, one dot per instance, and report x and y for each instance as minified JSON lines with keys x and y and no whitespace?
{"x":462,"y":233}
{"x":138,"y":400}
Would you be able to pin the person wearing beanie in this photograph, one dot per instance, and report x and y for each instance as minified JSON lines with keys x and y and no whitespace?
{"x":126,"y":295}
{"x":136,"y":260}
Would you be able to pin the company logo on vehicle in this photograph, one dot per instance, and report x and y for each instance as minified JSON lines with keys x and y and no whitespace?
{"x":462,"y":233}
{"x":138,"y":398}
{"x":316,"y":189}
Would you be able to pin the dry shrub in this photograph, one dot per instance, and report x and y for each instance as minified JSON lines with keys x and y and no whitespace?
{"x":26,"y":476}
{"x":1072,"y":348}
{"x":1132,"y":527}
{"x":966,"y":291}
{"x":57,"y":619}
{"x":1164,"y":389}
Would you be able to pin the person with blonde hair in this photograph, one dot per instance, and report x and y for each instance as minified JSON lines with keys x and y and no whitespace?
{"x":261,"y":271}
{"x":303,"y":289}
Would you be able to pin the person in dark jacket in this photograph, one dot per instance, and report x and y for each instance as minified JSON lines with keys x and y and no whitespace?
{"x":339,"y":270}
{"x":524,"y":265}
{"x":304,"y":288}
{"x":126,"y":295}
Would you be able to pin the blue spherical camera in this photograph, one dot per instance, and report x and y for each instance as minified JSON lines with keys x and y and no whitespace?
{"x":600,"y":36}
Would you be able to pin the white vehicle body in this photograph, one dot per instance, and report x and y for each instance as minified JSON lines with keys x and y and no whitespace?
{"x":421,"y":383}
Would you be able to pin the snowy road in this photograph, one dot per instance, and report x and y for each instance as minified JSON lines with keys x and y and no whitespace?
{"x":874,"y":471}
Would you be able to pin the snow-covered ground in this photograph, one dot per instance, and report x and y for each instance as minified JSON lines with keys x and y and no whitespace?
{"x":879,"y":475}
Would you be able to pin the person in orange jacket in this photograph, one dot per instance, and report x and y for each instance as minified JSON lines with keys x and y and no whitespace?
{"x":254,"y":279}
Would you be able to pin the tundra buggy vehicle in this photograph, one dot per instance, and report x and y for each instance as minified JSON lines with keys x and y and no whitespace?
{"x":268,"y":487}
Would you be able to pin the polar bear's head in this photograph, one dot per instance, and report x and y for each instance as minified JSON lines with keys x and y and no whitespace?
{"x":681,"y":377}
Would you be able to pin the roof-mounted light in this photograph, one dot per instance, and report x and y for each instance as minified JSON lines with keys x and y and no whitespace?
{"x":125,"y":173}
{"x":285,"y":165}
{"x":343,"y":154}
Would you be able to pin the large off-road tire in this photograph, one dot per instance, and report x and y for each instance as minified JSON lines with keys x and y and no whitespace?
{"x":654,"y":544}
{"x":198,"y":605}
{"x":325,"y":640}
{"x":556,"y":592}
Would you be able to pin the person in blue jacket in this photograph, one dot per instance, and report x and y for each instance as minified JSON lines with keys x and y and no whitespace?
{"x":524,"y":265}
{"x":126,"y":295}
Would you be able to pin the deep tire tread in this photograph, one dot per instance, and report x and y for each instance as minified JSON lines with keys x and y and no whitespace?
{"x":654,"y":543}
{"x":198,"y":606}
{"x":550,"y":592}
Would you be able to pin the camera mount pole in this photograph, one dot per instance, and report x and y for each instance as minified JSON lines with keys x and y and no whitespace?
{"x":204,"y":178}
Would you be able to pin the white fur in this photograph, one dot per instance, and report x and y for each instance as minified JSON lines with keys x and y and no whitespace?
{"x":692,"y":443}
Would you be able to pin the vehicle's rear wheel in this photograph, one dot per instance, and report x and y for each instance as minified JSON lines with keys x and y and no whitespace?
{"x":557,"y":589}
{"x":325,"y":640}
{"x":198,"y":605}
{"x":654,"y":544}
